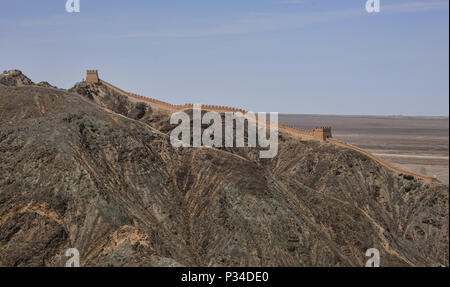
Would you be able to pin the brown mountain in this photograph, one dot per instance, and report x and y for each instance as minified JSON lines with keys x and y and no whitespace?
{"x":92,"y":169}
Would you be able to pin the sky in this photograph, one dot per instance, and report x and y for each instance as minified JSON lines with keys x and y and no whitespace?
{"x":286,"y":56}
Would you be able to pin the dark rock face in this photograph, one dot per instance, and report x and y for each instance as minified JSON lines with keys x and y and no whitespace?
{"x":32,"y":239}
{"x":92,"y":170}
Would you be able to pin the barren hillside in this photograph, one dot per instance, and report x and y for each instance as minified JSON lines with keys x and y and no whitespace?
{"x":94,"y":170}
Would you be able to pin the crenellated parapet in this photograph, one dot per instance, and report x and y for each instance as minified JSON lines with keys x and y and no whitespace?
{"x":92,"y":76}
{"x":322,"y":133}
{"x":304,"y":133}
{"x":186,"y":106}
{"x":223,"y":109}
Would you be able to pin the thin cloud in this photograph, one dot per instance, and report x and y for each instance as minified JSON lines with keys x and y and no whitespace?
{"x":270,"y":22}
{"x":250,"y":24}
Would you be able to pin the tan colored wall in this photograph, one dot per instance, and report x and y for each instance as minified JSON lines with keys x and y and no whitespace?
{"x":320,"y":133}
{"x":382,"y":162}
{"x":92,"y":76}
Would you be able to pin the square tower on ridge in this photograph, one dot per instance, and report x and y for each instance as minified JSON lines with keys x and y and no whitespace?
{"x":92,"y":76}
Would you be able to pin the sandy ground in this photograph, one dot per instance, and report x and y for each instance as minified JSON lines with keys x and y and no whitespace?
{"x":418,"y":144}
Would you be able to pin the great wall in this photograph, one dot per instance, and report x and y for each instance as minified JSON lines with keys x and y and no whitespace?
{"x":322,"y":134}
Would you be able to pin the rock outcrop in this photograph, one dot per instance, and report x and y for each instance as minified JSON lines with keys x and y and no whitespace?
{"x":14,"y":78}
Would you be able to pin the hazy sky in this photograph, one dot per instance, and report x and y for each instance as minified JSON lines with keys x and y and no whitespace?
{"x":287,"y":56}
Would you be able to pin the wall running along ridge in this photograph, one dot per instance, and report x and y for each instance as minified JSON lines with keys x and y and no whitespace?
{"x":383,"y":162}
{"x":319,"y":133}
{"x":290,"y":129}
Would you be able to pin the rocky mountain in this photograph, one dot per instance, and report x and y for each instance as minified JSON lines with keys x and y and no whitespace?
{"x":91,"y":169}
{"x":14,"y":78}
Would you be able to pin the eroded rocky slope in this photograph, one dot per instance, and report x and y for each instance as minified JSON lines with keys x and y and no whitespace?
{"x":90,"y":169}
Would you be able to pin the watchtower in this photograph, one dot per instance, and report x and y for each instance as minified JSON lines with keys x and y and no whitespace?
{"x":92,"y":76}
{"x":322,"y":133}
